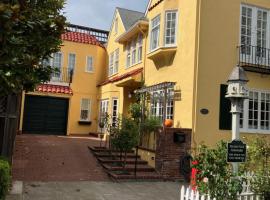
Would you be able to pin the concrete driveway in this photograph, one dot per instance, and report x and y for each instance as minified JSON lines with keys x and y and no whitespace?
{"x":99,"y":191}
{"x":55,"y":158}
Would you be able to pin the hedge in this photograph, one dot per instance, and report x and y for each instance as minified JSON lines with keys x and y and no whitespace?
{"x":5,"y":178}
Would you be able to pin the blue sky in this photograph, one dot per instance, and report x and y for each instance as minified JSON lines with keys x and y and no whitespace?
{"x":98,"y":13}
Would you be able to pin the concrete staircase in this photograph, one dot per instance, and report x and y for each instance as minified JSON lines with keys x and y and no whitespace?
{"x":114,"y":166}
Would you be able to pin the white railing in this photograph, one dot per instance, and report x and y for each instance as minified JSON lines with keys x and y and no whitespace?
{"x":246,"y":194}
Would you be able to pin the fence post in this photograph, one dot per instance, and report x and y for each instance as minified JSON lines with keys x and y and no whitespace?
{"x":182,"y":193}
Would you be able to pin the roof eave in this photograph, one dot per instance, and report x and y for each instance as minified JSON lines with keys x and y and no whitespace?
{"x":141,"y":25}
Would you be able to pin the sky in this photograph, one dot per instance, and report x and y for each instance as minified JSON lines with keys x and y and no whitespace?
{"x":98,"y":13}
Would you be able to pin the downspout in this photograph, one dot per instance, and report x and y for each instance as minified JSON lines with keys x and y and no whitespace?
{"x":196,"y":76}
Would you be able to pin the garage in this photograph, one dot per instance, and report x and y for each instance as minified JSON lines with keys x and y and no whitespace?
{"x":45,"y":115}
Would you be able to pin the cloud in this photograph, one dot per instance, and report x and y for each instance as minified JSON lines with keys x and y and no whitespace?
{"x":98,"y":13}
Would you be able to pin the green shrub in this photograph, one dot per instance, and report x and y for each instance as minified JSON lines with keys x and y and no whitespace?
{"x":5,"y":179}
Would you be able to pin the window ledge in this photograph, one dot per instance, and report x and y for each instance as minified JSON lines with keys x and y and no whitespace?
{"x":166,"y":52}
{"x":84,"y":122}
{"x":254,"y":131}
{"x":112,"y":75}
{"x":140,"y":62}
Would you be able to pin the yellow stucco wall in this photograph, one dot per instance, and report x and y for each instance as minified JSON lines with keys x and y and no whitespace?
{"x":84,"y":84}
{"x":181,"y":69}
{"x":218,"y":37}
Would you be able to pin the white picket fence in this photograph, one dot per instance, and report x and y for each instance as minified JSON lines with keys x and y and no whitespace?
{"x":246,"y":194}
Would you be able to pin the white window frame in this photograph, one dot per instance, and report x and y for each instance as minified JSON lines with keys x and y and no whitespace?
{"x":157,"y":26}
{"x":69,"y":68}
{"x":115,"y":114}
{"x":128,"y":59}
{"x":111,"y":63}
{"x":250,"y":55}
{"x":176,"y":28}
{"x":116,"y":61}
{"x":244,"y":126}
{"x":133,"y":52}
{"x":87,"y":64}
{"x":139,"y":48}
{"x":88,"y":109}
{"x":157,"y":107}
{"x":57,"y":76}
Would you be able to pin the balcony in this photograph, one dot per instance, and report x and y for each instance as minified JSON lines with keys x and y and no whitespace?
{"x":254,"y":58}
{"x":62,"y":76}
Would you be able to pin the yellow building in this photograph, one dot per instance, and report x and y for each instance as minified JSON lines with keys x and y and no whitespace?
{"x":189,"y":48}
{"x":68,"y":103}
{"x":179,"y":53}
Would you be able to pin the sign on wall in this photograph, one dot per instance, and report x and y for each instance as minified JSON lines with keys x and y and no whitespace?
{"x":237,"y":151}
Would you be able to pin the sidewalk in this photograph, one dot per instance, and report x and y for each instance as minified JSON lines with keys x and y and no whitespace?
{"x":98,"y":191}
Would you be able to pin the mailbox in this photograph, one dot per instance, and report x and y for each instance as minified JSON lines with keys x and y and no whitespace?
{"x":179,"y":137}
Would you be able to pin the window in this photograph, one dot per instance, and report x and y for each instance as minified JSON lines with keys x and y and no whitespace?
{"x":128,"y":56}
{"x":116,"y":61}
{"x":57,"y":63}
{"x":111,"y":64}
{"x":170,"y":28}
{"x":85,"y":110}
{"x":157,"y":104}
{"x":254,"y":32}
{"x":116,"y":26}
{"x":133,"y":52}
{"x":256,"y":113}
{"x":155,"y":27}
{"x":89,"y":64}
{"x":103,"y":110}
{"x":139,"y":55}
{"x":71,"y":64}
{"x":114,"y":111}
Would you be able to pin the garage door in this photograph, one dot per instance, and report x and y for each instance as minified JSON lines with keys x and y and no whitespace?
{"x":45,"y":115}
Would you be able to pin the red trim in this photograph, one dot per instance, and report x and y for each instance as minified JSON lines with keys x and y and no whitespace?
{"x":123,"y":76}
{"x":58,"y":89}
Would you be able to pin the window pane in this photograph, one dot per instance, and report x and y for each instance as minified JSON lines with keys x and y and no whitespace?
{"x":89,"y":67}
{"x":170,"y":27}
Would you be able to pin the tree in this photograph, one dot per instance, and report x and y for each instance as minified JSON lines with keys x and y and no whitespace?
{"x":30,"y":31}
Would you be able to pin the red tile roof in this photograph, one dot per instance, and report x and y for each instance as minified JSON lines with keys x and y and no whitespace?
{"x":59,"y":89}
{"x":81,"y":38}
{"x":123,"y":76}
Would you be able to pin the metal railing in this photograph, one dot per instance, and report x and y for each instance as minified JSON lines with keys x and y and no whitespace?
{"x":101,"y":35}
{"x":62,"y":75}
{"x":254,"y":58}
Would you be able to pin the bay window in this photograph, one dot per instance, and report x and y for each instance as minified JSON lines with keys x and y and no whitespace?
{"x":157,"y":104}
{"x":133,"y":52}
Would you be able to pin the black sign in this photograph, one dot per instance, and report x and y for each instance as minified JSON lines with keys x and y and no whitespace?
{"x":237,"y":151}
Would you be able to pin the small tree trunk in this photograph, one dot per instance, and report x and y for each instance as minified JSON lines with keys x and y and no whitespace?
{"x":125,"y":159}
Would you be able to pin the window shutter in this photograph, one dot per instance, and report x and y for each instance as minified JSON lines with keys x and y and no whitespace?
{"x":225,"y":116}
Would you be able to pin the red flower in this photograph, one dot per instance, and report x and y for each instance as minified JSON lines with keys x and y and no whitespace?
{"x":195,"y":162}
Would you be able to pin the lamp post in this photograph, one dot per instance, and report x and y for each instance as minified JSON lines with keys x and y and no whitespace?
{"x":236,"y":92}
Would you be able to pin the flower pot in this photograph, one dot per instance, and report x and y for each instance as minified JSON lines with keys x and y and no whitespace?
{"x":168,"y":123}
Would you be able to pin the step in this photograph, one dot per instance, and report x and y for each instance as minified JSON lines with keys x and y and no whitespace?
{"x":129,"y":161}
{"x":139,"y":176}
{"x":114,"y":154}
{"x":130,"y":168}
{"x":104,"y":149}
